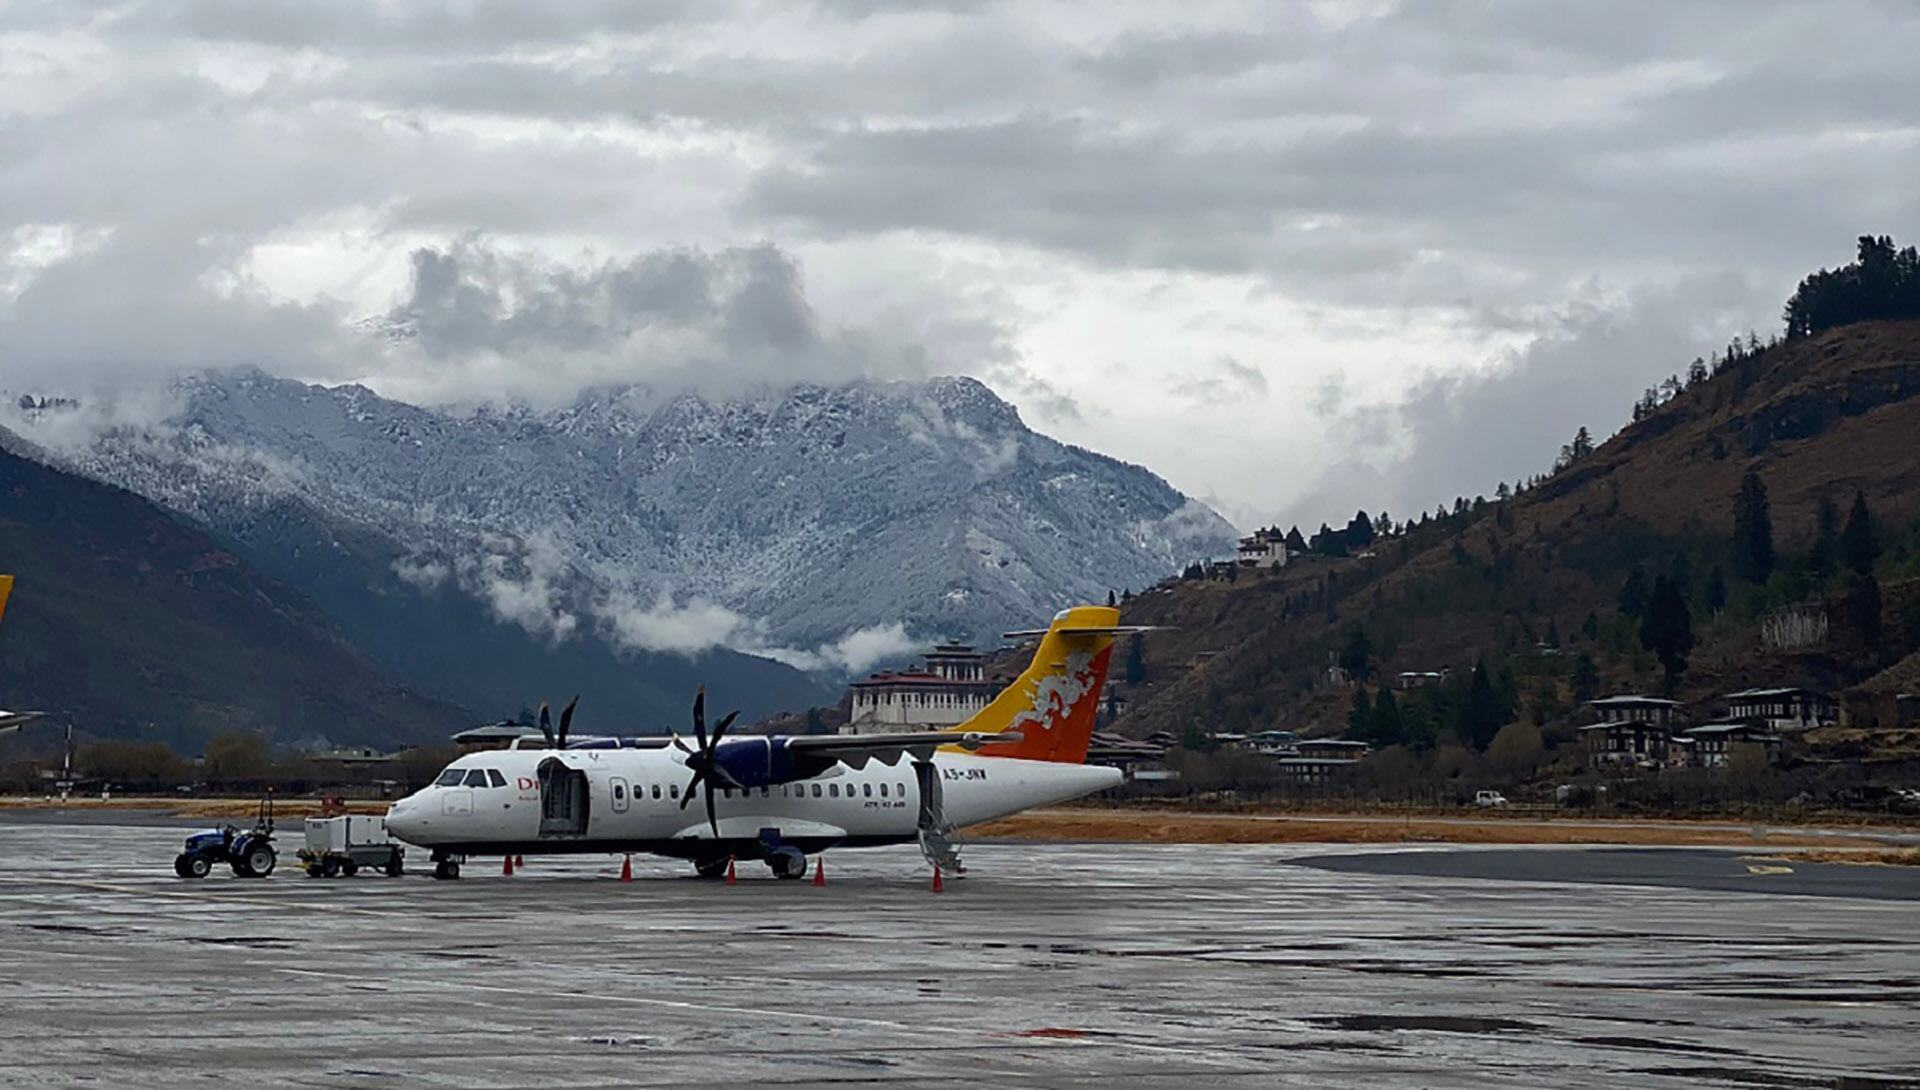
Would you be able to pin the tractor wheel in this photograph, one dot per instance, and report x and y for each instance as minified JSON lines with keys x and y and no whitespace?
{"x":180,"y":865}
{"x":349,"y":868}
{"x":198,"y":866}
{"x":316,"y":870}
{"x":260,"y":861}
{"x":330,"y":867}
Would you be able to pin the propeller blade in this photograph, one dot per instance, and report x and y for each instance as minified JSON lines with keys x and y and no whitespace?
{"x":711,"y":819}
{"x":681,"y":746}
{"x":687,"y":795}
{"x":721,"y":728}
{"x":546,"y":723}
{"x":566,"y":719}
{"x":700,"y":716}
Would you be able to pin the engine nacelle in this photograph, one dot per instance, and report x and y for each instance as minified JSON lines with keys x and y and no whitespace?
{"x":767,"y":762}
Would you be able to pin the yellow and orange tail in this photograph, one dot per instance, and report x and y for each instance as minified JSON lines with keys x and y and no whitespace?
{"x":6,"y":588}
{"x":1052,"y":706}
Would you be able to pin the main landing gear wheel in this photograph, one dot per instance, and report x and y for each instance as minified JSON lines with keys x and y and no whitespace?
{"x":787,"y":863}
{"x":711,"y":868}
{"x":446,"y":869}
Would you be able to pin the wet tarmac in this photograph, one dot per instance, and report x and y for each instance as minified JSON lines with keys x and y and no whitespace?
{"x":1054,"y":965}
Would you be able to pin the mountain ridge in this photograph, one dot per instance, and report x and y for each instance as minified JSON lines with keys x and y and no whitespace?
{"x":779,"y":523}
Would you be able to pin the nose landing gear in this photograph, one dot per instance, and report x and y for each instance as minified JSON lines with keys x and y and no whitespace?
{"x":446,"y":867}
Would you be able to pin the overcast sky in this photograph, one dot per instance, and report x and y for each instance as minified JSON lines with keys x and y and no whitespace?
{"x":1297,"y":258}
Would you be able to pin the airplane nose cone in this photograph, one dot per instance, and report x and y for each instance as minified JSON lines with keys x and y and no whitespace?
{"x":406,"y":819}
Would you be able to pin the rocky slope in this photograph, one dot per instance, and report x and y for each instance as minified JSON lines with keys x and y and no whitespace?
{"x":816,"y":524}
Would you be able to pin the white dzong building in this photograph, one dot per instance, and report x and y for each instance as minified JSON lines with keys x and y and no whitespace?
{"x":946,"y":691}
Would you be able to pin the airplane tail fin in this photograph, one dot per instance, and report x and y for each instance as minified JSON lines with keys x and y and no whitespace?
{"x":6,"y":588}
{"x":1052,"y":706}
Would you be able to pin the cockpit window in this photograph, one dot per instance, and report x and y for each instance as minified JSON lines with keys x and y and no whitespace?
{"x":495,"y":778}
{"x":450,"y":778}
{"x":476,"y":778}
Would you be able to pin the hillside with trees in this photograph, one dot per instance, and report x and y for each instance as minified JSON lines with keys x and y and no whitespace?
{"x":137,"y":626}
{"x":1757,"y":523}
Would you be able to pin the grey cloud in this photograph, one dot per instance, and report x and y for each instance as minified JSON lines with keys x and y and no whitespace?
{"x":1226,"y":380}
{"x":1453,"y":435}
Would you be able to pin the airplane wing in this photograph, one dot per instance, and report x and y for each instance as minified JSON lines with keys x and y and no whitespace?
{"x":12,"y":721}
{"x":856,"y":750}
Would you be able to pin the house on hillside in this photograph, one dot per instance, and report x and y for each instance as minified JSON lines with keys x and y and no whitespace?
{"x":1714,"y":745}
{"x":1634,"y":708}
{"x":1629,"y":743}
{"x":1263,"y":549}
{"x":947,"y":690}
{"x":1784,"y":709}
{"x":1414,"y":679}
{"x":1318,"y":760}
{"x":500,"y":735}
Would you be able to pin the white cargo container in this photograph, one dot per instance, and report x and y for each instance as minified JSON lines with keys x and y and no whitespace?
{"x":342,"y":845}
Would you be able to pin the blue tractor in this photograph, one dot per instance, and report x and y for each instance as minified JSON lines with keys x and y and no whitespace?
{"x":249,"y":853}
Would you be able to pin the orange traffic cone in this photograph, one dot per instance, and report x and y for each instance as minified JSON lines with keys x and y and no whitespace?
{"x":626,"y":869}
{"x":938,"y":885}
{"x":819,"y":870}
{"x":506,"y":866}
{"x":729,"y":870}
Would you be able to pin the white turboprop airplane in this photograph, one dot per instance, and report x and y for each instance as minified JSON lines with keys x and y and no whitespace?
{"x":11,"y":721}
{"x":780,"y":798}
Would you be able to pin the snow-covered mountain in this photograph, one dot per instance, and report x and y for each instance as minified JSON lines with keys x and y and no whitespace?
{"x":829,"y":527}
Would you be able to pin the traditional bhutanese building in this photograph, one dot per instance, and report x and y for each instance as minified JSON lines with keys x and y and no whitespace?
{"x":945,"y":691}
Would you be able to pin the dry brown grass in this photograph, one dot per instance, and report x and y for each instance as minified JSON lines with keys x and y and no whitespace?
{"x":1885,"y":857}
{"x":1151,"y":828}
{"x":200,"y":808}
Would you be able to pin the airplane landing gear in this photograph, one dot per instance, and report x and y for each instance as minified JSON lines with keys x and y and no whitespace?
{"x":787,"y":862}
{"x":446,"y":867}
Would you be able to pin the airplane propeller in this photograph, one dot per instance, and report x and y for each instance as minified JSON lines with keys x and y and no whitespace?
{"x":566,"y":721}
{"x":705,"y":768}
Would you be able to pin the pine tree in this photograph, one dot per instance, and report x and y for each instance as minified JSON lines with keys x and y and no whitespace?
{"x":1826,"y":540}
{"x":1386,"y":719}
{"x":1858,"y":544}
{"x":1667,"y":628}
{"x":1753,"y":555}
{"x":1716,"y":589}
{"x":1360,"y":716}
{"x":1864,"y":608}
{"x":1356,"y":658}
{"x":1136,"y":660}
{"x":1112,"y":600}
{"x":1634,"y":593}
{"x":1481,"y":715}
{"x":1296,"y":543}
{"x":1590,"y":628}
{"x":1586,"y":678}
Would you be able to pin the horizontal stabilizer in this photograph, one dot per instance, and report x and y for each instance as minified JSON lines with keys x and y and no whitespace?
{"x":10,"y":721}
{"x":1106,"y":630}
